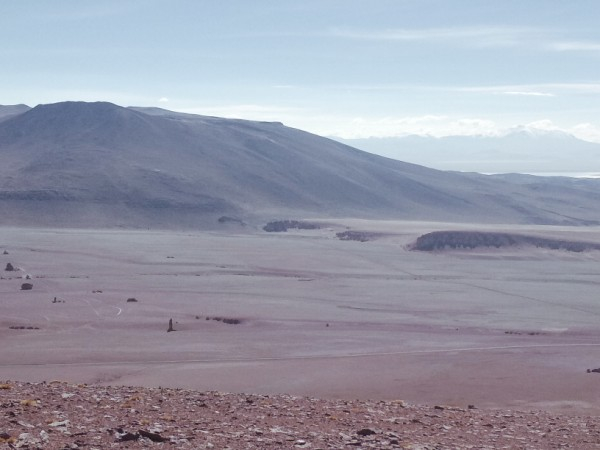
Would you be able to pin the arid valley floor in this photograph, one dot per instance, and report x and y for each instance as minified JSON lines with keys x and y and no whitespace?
{"x":318,"y":316}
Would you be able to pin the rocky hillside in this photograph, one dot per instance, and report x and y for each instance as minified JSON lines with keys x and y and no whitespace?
{"x":58,"y":415}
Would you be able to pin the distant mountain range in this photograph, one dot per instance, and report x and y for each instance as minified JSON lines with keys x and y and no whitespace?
{"x":101,"y":165}
{"x":522,"y":150}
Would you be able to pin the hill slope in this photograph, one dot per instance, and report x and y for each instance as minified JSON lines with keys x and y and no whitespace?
{"x":98,"y":164}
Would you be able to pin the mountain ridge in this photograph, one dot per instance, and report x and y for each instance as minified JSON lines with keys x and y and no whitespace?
{"x":521,"y":149}
{"x":99,"y":164}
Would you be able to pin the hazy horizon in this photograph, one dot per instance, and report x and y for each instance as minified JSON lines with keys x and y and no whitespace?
{"x":334,"y":68}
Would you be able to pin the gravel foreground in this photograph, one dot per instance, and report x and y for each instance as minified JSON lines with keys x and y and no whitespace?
{"x":58,"y":415}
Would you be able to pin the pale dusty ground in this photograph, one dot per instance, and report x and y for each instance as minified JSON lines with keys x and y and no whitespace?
{"x":425,"y":328}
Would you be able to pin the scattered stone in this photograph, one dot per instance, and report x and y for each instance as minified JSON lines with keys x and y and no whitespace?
{"x":26,"y":286}
{"x":227,"y":320}
{"x":365,"y":432}
{"x":9,"y":267}
{"x":132,"y":300}
{"x":44,"y":436}
{"x":128,"y":437}
{"x":98,"y":417}
{"x":170,"y":326}
{"x":154,"y":437}
{"x":5,"y":252}
{"x":62,"y":423}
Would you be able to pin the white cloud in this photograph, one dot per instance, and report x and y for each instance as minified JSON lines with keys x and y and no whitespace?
{"x":474,"y":36}
{"x":529,"y":93}
{"x":245,"y":111}
{"x":538,"y":89}
{"x":543,"y":39}
{"x":575,"y":46}
{"x":430,"y":125}
{"x":163,"y":100}
{"x":352,"y":127}
{"x":586,"y":131}
{"x":544,"y":124}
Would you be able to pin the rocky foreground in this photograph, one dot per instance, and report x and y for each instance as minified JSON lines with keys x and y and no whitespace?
{"x":58,"y":415}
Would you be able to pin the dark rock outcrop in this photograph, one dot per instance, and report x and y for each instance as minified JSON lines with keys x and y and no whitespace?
{"x":444,"y":240}
{"x":284,"y":225}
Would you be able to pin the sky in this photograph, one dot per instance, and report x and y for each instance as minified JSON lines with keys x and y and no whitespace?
{"x":347,"y":68}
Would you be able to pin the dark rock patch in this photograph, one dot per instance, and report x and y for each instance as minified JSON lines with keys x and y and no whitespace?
{"x":154,"y":437}
{"x":453,"y":240}
{"x":232,"y":220}
{"x":227,"y":320}
{"x":365,"y":432}
{"x":279,"y":226}
{"x":360,"y":236}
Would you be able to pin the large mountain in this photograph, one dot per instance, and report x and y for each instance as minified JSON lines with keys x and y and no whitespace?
{"x":7,"y":111}
{"x":521,"y":149}
{"x":98,"y":164}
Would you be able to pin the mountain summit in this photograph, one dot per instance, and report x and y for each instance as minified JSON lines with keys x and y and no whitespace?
{"x":99,"y":164}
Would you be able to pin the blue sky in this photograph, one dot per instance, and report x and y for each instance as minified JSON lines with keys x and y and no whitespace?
{"x":351,"y":68}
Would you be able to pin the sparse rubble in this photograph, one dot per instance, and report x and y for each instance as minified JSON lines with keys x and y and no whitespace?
{"x":62,"y":415}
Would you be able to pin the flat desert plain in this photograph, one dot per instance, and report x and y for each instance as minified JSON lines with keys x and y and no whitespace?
{"x":305,"y":313}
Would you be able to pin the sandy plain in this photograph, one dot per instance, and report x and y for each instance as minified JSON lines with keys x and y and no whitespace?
{"x":509,"y":328}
